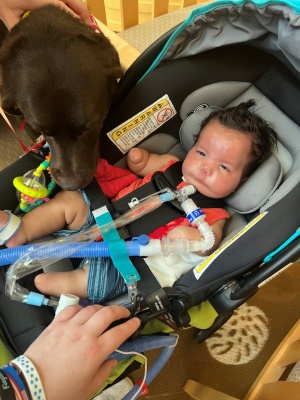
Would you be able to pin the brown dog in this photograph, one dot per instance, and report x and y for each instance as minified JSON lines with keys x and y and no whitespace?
{"x":60,"y":75}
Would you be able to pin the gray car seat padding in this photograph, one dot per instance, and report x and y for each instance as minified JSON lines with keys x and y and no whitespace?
{"x":272,"y":28}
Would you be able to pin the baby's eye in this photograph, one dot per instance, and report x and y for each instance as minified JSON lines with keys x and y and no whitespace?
{"x":201,"y":153}
{"x":224,"y":167}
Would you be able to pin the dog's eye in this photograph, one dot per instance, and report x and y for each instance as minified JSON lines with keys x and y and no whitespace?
{"x":83,"y":132}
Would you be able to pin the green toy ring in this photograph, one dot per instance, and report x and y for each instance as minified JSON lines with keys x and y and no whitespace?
{"x":22,"y":188}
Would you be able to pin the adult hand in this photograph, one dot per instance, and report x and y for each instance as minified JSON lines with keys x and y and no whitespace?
{"x":11,"y":11}
{"x":70,"y":353}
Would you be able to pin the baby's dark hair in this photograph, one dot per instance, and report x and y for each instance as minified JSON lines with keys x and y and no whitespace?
{"x":263,"y":136}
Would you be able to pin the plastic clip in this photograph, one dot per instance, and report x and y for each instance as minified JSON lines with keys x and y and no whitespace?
{"x":133,"y":298}
{"x":133,"y":202}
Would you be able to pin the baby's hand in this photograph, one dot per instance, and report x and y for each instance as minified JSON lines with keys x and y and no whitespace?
{"x":137,"y":159}
{"x":184,"y":232}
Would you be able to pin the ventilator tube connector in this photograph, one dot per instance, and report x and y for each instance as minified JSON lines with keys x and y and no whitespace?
{"x":196,"y":217}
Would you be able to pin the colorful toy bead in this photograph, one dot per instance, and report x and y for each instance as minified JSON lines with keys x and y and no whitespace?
{"x":32,"y":187}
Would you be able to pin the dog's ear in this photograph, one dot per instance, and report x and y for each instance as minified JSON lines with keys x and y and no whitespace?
{"x":116,"y":72}
{"x":8,"y":78}
{"x":8,"y":104}
{"x":11,"y":110}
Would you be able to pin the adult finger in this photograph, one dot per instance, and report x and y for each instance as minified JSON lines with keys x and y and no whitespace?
{"x":105,"y":317}
{"x":79,"y":8}
{"x":114,"y":337}
{"x":68,"y":313}
{"x":102,"y":374}
{"x":75,"y":7}
{"x":86,"y":314}
{"x":10,"y":19}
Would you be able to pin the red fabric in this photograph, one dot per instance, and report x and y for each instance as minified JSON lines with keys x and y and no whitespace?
{"x":112,"y":179}
{"x":141,"y":181}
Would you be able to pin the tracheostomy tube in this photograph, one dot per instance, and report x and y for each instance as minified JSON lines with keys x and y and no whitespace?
{"x":196,"y":218}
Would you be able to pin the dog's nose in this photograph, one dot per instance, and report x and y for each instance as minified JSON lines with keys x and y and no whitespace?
{"x":68,"y":180}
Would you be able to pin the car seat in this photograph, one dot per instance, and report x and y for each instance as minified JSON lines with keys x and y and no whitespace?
{"x":197,"y":66}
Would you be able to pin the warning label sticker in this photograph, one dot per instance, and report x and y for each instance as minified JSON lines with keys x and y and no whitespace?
{"x":137,"y":128}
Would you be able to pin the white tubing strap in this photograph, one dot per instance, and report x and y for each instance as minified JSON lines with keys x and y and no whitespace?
{"x":10,"y":228}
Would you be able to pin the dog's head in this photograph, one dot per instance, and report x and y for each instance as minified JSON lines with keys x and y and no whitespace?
{"x":61,"y":77}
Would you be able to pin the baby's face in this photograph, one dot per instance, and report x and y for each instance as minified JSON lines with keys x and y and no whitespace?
{"x":215,"y":164}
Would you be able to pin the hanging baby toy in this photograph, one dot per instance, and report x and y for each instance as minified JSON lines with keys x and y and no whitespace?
{"x":32,"y":190}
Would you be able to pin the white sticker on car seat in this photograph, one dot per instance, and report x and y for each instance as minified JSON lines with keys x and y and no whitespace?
{"x":203,"y":265}
{"x":141,"y":125}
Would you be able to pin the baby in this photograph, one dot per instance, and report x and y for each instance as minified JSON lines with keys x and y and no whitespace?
{"x":230,"y":144}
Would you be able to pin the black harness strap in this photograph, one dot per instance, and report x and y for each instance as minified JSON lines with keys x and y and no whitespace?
{"x":97,"y":198}
{"x":149,"y":287}
{"x":154,"y":295}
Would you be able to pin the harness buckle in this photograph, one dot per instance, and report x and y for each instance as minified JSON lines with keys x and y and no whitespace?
{"x":133,"y":297}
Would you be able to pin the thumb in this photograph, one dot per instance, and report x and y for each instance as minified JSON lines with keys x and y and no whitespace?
{"x":10,"y":20}
{"x":103,"y":373}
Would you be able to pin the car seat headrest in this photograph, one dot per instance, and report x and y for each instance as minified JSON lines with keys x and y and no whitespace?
{"x":257,"y":189}
{"x":190,"y":126}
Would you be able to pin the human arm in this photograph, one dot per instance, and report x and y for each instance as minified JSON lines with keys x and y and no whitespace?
{"x":191,"y":233}
{"x":11,"y":11}
{"x":142,"y":163}
{"x":70,"y":353}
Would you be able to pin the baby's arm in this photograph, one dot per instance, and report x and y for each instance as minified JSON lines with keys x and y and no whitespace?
{"x":190,"y":233}
{"x":66,"y":210}
{"x":141,"y":162}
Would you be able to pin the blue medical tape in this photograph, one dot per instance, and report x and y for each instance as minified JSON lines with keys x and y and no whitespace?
{"x":117,"y":247}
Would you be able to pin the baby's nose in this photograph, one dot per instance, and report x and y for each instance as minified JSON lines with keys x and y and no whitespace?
{"x":207,"y":167}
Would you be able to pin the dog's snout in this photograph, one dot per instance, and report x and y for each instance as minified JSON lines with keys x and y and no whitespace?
{"x":82,"y":172}
{"x":69,"y":180}
{"x":56,"y":172}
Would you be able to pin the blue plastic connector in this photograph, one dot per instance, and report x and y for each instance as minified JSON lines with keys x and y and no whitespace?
{"x":36,"y":299}
{"x":142,"y":240}
{"x":168,"y":196}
